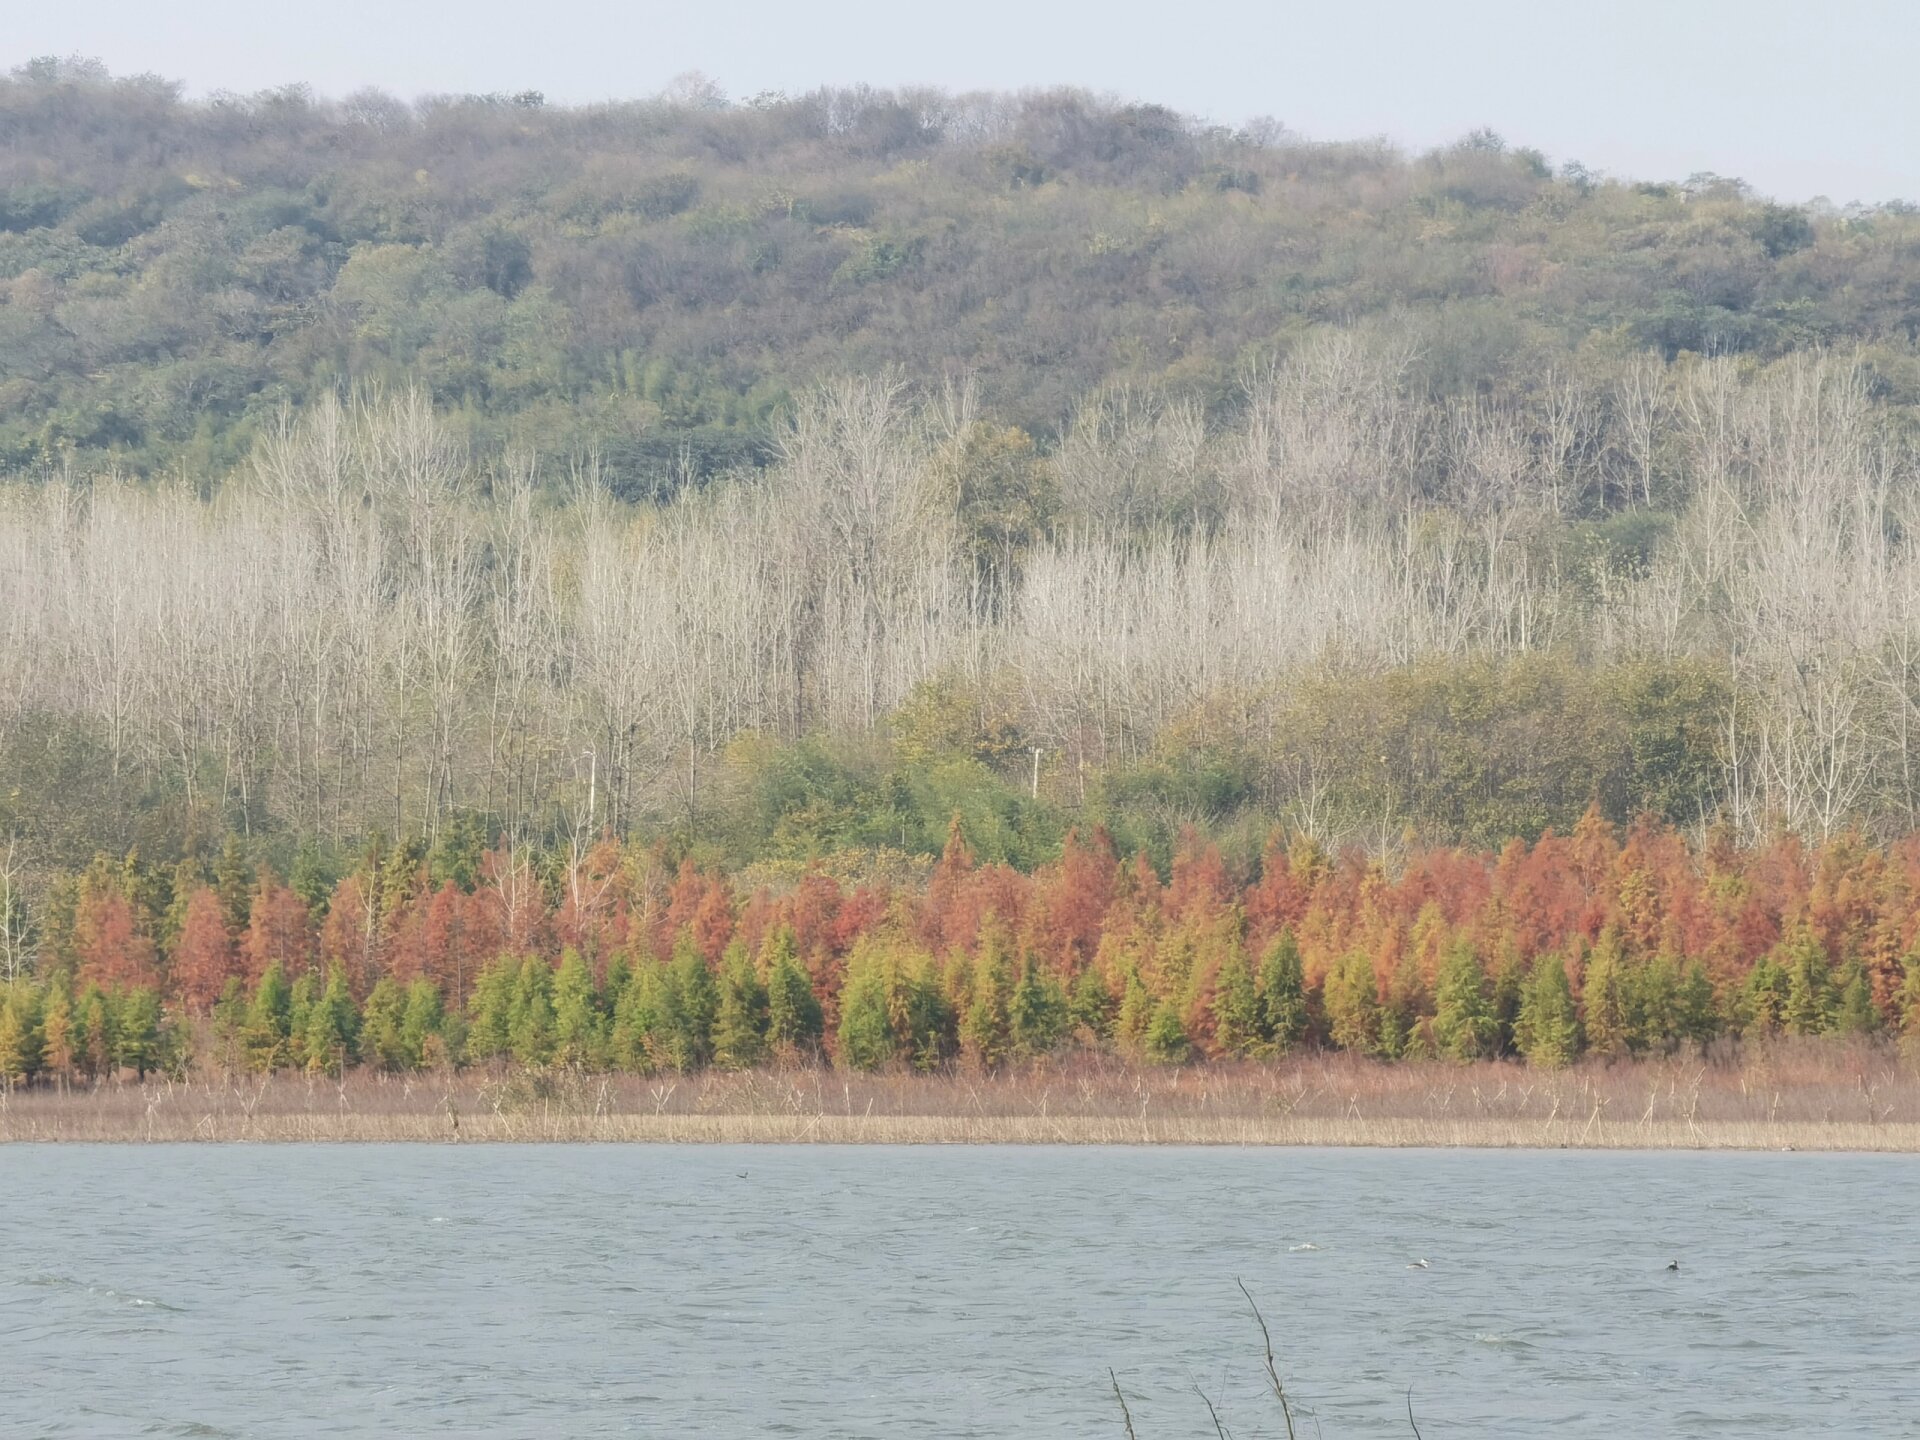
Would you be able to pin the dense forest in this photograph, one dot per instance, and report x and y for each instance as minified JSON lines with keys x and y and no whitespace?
{"x":654,"y":280}
{"x":613,"y":958}
{"x":451,"y":517}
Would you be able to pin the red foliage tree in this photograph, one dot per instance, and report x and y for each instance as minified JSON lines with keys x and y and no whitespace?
{"x":204,"y":958}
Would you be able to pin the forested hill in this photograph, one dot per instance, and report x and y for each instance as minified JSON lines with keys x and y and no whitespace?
{"x":655,"y":280}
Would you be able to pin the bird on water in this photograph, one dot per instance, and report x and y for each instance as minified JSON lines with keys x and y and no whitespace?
{"x":1673,"y":1265}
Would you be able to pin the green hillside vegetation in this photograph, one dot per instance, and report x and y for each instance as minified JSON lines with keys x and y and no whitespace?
{"x":654,"y":281}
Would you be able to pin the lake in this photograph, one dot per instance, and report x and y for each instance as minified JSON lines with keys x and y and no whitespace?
{"x":879,"y":1291}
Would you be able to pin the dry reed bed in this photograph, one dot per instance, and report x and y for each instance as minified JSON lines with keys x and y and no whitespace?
{"x":1806,"y":1097}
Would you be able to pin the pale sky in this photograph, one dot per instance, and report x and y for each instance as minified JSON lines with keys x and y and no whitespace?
{"x":1798,"y":97}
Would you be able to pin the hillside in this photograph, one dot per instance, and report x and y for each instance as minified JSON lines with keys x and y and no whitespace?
{"x":655,"y":281}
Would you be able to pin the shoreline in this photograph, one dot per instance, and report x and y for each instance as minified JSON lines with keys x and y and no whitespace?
{"x":1796,"y":1098}
{"x":1062,"y":1131}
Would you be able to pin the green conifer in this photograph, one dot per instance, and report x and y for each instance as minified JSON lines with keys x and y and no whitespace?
{"x":21,"y":1040}
{"x":95,"y":1032}
{"x":577,"y":1030}
{"x":866,"y":1035}
{"x":530,"y":1018}
{"x":1548,"y":1030}
{"x":1239,"y":1026}
{"x":265,"y":1030}
{"x":1166,"y":1040}
{"x":929,"y":1022}
{"x":689,"y":1002}
{"x":1464,"y":1026}
{"x":383,"y":1041}
{"x":1810,"y":997}
{"x":1136,"y":1015}
{"x":984,"y":1038}
{"x":1404,"y":1034}
{"x":491,"y":1013}
{"x":424,"y":1036}
{"x":1763,"y":998}
{"x":1856,"y":1013}
{"x":332,"y":1028}
{"x":741,"y":1020}
{"x":636,"y":1021}
{"x":1036,"y":1012}
{"x":1283,"y":994}
{"x":794,"y":1020}
{"x":1092,"y":1007}
{"x":1696,"y":1009}
{"x":1603,"y":1003}
{"x":1353,"y":1004}
{"x":137,"y":1039}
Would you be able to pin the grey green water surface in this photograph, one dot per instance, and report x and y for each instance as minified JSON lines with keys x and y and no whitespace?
{"x":809,"y":1291}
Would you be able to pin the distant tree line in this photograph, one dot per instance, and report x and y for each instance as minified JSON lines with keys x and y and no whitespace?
{"x":1591,"y":944}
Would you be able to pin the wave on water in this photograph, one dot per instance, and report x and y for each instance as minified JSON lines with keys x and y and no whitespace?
{"x":1296,"y":1249}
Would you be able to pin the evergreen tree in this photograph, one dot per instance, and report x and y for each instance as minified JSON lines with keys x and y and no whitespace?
{"x":1136,"y":1015}
{"x":1283,"y":994}
{"x":1509,"y":989}
{"x":1166,"y":1040}
{"x":741,"y":1021}
{"x":866,"y":1036}
{"x":636,"y":1021}
{"x":383,"y":1041}
{"x":230,"y":1023}
{"x":1810,"y":999}
{"x":984,"y":1027}
{"x":1603,"y":1003}
{"x":1464,"y":1026}
{"x":21,"y":1039}
{"x":1036,"y":1013}
{"x":530,"y":1020}
{"x":488,"y":1035}
{"x":1353,"y":1004}
{"x":268,"y":1025}
{"x":301,"y":998}
{"x":577,"y":1039}
{"x":1910,"y":1003}
{"x":1696,"y":1011}
{"x":1548,"y":1030}
{"x":332,"y":1028}
{"x":1092,"y":1006}
{"x":794,"y":1019}
{"x":95,"y":1032}
{"x":1239,"y":1026}
{"x":689,"y":1002}
{"x":1763,"y":998}
{"x":59,"y":1032}
{"x":423,"y":1027}
{"x":1856,"y":1013}
{"x":1652,"y":990}
{"x":930,"y":1026}
{"x":1402,"y":1035}
{"x":233,"y":881}
{"x":137,"y":1039}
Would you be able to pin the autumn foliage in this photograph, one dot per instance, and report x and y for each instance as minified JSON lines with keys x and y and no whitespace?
{"x":1599,"y":941}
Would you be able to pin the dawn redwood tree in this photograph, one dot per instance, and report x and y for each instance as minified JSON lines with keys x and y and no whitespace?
{"x":204,"y":959}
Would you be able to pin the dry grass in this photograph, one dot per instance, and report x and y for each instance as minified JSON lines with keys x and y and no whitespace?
{"x":1810,"y":1097}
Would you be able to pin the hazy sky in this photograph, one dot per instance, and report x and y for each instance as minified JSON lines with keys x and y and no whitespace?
{"x":1798,"y":97}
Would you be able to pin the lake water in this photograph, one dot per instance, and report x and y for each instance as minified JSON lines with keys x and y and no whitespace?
{"x":575,"y":1291}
